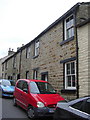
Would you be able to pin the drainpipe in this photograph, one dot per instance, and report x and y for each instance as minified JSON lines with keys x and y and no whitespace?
{"x":77,"y":62}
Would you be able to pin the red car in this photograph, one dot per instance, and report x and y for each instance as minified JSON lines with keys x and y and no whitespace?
{"x":36,"y":96}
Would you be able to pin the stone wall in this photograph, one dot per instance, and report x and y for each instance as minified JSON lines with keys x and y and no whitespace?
{"x":83,"y":60}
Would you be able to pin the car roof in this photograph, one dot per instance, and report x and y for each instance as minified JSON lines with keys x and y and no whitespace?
{"x":3,"y":79}
{"x":78,"y":99}
{"x":71,"y":102}
{"x":6,"y":80}
{"x":33,"y":80}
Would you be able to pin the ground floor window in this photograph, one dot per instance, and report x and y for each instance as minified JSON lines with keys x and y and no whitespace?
{"x":35,"y":74}
{"x":18,"y":76}
{"x":27,"y":74}
{"x":44,"y":76}
{"x":70,"y":75}
{"x":14,"y":76}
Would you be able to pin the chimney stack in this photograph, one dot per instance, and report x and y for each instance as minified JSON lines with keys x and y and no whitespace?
{"x":10,"y":51}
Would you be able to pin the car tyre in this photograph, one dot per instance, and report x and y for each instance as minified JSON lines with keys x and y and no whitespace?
{"x":31,"y":113}
{"x":14,"y":102}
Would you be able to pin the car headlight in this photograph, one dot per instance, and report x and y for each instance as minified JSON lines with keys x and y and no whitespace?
{"x":40,"y":104}
{"x":5,"y":90}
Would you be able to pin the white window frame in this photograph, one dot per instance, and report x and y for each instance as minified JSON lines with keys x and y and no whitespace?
{"x":14,"y":62}
{"x":35,"y":74}
{"x":28,"y":50}
{"x":66,"y":75}
{"x":37,"y":47}
{"x":70,"y":27}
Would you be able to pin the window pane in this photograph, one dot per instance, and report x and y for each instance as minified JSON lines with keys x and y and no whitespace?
{"x":69,"y":81}
{"x":72,"y":68}
{"x":71,"y":17}
{"x":37,"y":51}
{"x":68,"y":25}
{"x":73,"y":81}
{"x":67,"y":20}
{"x":72,"y":31}
{"x":67,"y":33}
{"x":78,"y":105}
{"x":72,"y":22}
{"x":68,"y":68}
{"x":86,"y":107}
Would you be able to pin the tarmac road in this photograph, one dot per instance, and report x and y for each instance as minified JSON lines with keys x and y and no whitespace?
{"x":10,"y":112}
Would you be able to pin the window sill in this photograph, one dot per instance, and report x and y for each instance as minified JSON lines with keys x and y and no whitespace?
{"x":35,"y":56}
{"x":68,"y":40}
{"x":68,"y":91}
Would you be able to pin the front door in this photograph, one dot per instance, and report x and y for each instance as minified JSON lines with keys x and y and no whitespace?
{"x":44,"y":76}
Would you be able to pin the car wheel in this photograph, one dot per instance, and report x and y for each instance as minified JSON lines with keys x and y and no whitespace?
{"x":14,"y":102}
{"x":31,"y":112}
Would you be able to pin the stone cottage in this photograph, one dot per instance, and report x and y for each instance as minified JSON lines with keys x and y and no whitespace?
{"x":60,"y":54}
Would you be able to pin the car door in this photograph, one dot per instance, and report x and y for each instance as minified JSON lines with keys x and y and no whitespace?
{"x":86,"y":108}
{"x":80,"y":110}
{"x":25,"y":95}
{"x":19,"y":92}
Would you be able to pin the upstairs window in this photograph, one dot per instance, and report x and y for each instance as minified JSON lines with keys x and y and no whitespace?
{"x":6,"y":65}
{"x":36,"y":47}
{"x":28,"y":52}
{"x":14,"y":62}
{"x":2,"y":67}
{"x":70,"y":75}
{"x":69,"y":27}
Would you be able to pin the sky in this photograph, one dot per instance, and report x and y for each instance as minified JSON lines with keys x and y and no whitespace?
{"x":22,"y":20}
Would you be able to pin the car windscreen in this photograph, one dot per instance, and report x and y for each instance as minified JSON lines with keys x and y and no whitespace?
{"x":41,"y":88}
{"x":5,"y":83}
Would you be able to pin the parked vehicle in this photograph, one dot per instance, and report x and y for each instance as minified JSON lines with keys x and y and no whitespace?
{"x":7,"y":87}
{"x":36,"y":96}
{"x":78,"y":109}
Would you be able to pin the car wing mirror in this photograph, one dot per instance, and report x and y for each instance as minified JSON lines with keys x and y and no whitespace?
{"x":25,"y":90}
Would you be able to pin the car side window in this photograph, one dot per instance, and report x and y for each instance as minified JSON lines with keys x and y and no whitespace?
{"x":86,"y":106}
{"x":78,"y":105}
{"x":25,"y":85}
{"x":20,"y":84}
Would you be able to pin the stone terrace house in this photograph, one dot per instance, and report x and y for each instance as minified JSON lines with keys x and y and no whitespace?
{"x":60,"y":54}
{"x":10,"y":53}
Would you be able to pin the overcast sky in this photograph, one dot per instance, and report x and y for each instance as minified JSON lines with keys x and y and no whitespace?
{"x":22,"y":20}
